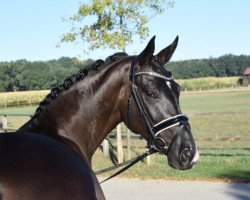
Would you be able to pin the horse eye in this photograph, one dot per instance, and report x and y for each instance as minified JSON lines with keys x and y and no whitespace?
{"x":148,"y":93}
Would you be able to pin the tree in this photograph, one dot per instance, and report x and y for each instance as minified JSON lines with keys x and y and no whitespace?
{"x":113,"y":23}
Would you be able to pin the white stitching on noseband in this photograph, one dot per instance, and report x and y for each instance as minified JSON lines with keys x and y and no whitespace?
{"x":155,"y":74}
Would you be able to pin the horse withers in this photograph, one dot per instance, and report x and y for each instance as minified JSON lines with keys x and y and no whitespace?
{"x":79,"y":113}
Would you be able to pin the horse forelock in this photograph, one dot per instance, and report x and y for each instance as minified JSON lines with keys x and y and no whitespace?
{"x":72,"y":80}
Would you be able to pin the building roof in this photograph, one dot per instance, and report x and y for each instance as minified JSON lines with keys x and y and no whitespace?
{"x":247,"y":71}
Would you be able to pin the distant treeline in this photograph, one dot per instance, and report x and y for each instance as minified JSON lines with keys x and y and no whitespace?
{"x":224,"y":66}
{"x":24,"y":75}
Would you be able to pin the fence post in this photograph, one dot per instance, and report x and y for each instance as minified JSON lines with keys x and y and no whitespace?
{"x":119,"y":144}
{"x":128,"y":144}
{"x":149,"y":160}
{"x":4,"y":122}
{"x":105,"y":147}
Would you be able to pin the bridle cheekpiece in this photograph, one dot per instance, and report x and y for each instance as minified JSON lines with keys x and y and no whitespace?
{"x":153,"y":130}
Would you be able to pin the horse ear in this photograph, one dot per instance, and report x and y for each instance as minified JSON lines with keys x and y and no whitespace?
{"x":165,"y":54}
{"x":147,"y":53}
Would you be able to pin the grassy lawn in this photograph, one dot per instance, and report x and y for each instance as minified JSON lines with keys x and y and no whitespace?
{"x":220,"y":124}
{"x":214,"y":165}
{"x":236,"y":101}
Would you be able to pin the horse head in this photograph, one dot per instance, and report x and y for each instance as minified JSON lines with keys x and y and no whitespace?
{"x":137,"y":90}
{"x":153,"y":108}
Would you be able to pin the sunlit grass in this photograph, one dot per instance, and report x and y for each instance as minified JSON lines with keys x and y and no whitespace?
{"x":232,"y":101}
{"x":217,"y":164}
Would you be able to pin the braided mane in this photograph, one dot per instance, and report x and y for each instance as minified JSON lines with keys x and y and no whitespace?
{"x":73,"y":79}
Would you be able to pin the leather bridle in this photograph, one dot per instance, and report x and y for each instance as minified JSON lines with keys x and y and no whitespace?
{"x":155,"y":142}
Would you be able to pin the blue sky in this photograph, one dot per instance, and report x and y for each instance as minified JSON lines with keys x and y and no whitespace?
{"x":207,"y":28}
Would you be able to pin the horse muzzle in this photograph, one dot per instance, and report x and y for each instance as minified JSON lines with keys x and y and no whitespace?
{"x":183,"y":152}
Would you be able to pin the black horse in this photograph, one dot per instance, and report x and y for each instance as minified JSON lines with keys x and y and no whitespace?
{"x":50,"y":157}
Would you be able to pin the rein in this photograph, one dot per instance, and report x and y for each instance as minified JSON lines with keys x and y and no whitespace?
{"x":128,"y":163}
{"x":153,"y":130}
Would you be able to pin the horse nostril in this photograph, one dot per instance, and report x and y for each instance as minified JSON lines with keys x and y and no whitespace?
{"x":185,"y":156}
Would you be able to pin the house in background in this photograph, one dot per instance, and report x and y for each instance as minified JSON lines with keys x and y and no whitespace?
{"x":246,"y":77}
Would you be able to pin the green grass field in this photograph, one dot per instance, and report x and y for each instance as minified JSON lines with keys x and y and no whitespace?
{"x":220,"y":125}
{"x":219,"y":115}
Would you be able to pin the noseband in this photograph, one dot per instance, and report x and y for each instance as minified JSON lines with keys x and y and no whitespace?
{"x":155,"y":142}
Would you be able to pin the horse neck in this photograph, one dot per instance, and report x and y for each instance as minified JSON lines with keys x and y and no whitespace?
{"x":82,"y":116}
